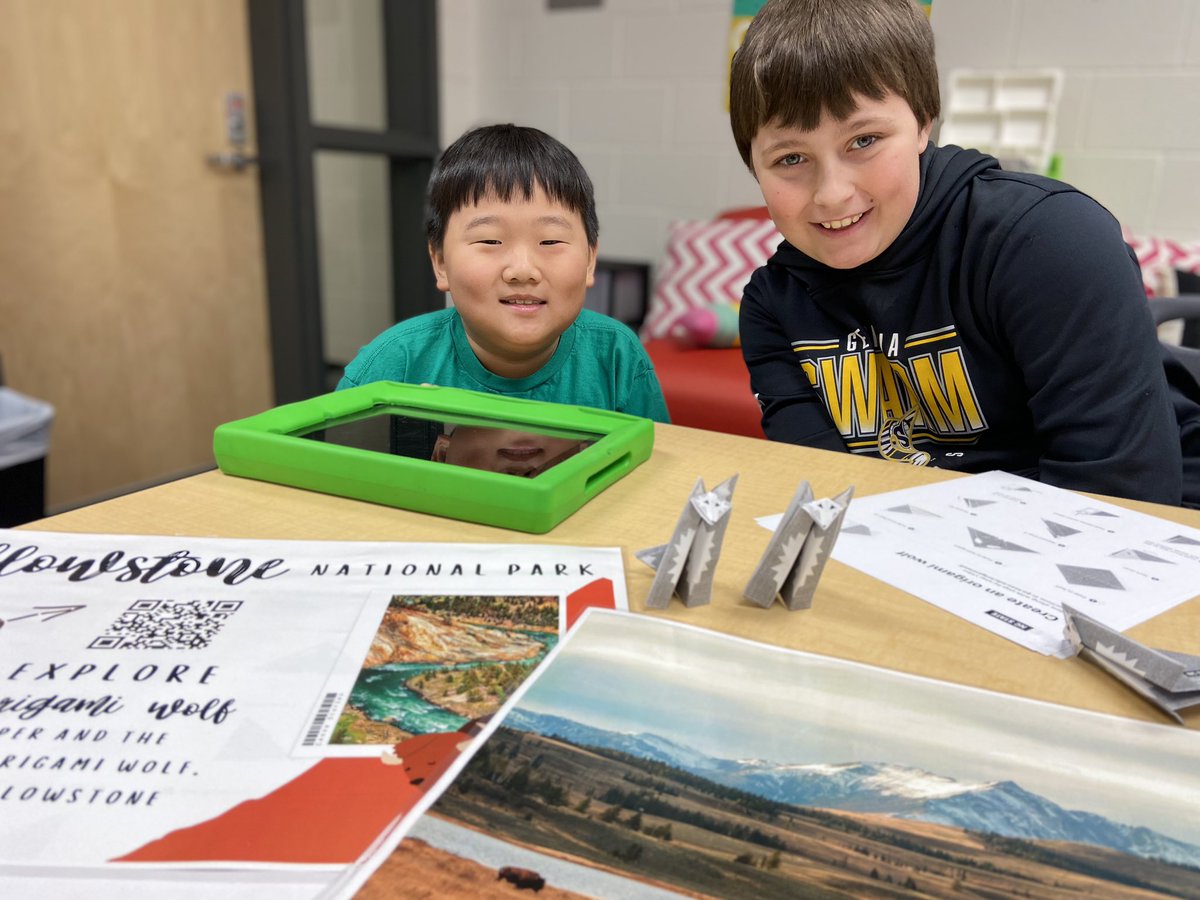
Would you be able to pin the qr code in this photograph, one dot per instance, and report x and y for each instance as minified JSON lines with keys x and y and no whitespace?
{"x":166,"y":625}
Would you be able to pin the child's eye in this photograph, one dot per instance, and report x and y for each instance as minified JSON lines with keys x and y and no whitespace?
{"x":792,"y":159}
{"x":549,"y":241}
{"x":491,"y":241}
{"x":863,"y":142}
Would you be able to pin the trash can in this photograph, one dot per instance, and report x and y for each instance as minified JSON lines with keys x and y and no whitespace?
{"x":24,"y":441}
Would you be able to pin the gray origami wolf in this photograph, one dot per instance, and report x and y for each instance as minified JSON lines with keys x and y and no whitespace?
{"x":1171,"y":681}
{"x":796,"y":555}
{"x":685,"y":565}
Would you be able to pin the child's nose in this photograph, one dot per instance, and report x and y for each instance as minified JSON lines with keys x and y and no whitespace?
{"x":834,"y":186}
{"x":521,"y":267}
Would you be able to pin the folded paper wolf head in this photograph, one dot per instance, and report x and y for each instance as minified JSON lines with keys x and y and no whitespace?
{"x":796,"y":555}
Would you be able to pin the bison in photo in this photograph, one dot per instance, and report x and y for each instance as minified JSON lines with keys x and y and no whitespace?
{"x":522,"y":878}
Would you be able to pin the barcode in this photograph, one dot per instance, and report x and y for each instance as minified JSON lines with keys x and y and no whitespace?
{"x":328,"y":705}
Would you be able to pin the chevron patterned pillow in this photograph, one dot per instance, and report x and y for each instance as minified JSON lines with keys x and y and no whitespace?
{"x":706,"y":263}
{"x":1155,"y":255}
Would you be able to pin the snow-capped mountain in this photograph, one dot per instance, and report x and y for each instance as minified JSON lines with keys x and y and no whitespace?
{"x":645,"y":746}
{"x":998,"y":807}
{"x":863,"y":787}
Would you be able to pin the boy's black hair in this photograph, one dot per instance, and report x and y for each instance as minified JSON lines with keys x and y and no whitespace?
{"x":802,"y":58}
{"x":498,"y":160}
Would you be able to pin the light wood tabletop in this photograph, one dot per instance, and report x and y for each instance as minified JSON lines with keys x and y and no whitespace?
{"x":854,"y":616}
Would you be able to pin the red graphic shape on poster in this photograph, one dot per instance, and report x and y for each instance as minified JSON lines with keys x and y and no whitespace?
{"x":426,"y":757}
{"x":296,"y":823}
{"x":331,"y":813}
{"x":598,"y":593}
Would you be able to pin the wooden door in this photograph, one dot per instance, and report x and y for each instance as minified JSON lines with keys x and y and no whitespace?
{"x":132,"y":292}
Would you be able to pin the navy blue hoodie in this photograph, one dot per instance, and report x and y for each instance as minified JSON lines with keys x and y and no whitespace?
{"x":1006,"y":327}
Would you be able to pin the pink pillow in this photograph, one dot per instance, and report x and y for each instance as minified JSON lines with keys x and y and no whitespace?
{"x":706,"y":263}
{"x":714,"y":325}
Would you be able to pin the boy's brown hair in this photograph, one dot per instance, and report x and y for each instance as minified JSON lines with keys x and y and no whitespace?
{"x":802,"y":58}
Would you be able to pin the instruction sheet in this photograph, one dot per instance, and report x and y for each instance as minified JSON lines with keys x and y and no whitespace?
{"x":1006,"y":552}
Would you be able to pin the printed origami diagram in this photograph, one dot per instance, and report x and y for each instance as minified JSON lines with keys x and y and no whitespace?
{"x":796,"y":555}
{"x":1171,"y":681}
{"x":686,"y":564}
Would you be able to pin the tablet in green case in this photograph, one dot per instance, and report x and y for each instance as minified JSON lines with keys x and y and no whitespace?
{"x":521,"y":464}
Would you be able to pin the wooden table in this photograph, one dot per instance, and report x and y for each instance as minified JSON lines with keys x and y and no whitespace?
{"x":853,"y":617}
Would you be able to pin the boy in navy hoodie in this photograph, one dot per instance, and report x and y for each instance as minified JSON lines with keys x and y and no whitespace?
{"x":927,"y":306}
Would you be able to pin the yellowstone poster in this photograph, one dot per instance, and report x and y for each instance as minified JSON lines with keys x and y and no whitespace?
{"x":159,"y":695}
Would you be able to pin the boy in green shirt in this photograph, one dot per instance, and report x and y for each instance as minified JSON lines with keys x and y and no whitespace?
{"x":512,"y":233}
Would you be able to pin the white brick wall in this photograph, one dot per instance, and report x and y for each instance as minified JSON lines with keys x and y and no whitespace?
{"x":635,"y":88}
{"x":1129,"y":116}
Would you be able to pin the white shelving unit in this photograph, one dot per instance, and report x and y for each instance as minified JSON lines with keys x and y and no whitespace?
{"x":1009,"y":114}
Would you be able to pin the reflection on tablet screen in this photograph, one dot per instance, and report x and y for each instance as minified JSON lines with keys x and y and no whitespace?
{"x":522,"y":453}
{"x":499,"y":448}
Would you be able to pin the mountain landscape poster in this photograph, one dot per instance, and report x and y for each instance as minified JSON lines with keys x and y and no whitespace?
{"x":647,"y":758}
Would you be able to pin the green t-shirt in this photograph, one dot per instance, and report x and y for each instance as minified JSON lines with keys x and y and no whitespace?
{"x":599,"y":362}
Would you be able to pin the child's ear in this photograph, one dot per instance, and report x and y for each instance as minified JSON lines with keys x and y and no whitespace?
{"x":438,"y":259}
{"x":591,"y":269}
{"x":440,"y":446}
{"x":923,"y":135}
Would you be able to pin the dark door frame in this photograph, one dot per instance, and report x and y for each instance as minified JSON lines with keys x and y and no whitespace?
{"x":288,"y":140}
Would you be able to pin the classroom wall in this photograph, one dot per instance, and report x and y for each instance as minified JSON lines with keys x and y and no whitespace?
{"x":636,"y":88}
{"x":1128,"y":125}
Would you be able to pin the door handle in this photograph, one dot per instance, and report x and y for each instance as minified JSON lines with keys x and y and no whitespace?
{"x":233,"y":160}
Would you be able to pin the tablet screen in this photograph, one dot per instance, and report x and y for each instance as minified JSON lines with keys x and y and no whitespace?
{"x":496,"y":447}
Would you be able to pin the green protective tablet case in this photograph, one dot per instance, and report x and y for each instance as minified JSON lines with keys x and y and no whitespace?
{"x":278,"y":446}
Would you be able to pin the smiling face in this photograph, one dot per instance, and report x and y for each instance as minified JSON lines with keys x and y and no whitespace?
{"x":844,"y":191}
{"x":517,"y":271}
{"x":522,"y":453}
